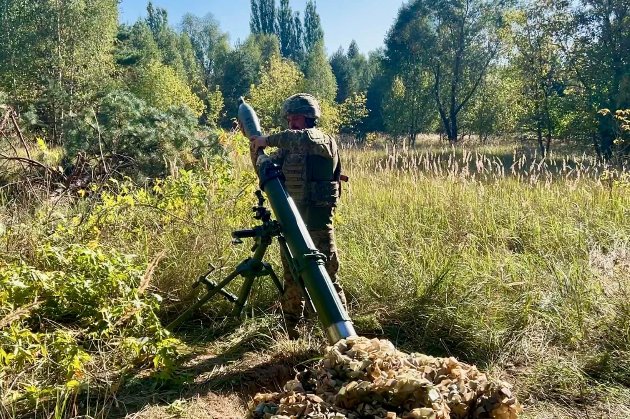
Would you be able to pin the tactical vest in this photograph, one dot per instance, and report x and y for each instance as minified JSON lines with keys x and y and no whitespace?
{"x":312,"y":172}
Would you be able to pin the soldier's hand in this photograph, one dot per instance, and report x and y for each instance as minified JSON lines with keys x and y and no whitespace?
{"x":257,"y":142}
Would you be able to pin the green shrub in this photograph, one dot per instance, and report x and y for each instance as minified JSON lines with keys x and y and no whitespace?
{"x":81,"y":313}
{"x":131,"y":137}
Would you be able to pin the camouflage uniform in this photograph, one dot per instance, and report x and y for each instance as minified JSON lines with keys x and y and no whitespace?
{"x":310,"y":163}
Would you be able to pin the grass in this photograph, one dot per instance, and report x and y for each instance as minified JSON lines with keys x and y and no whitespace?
{"x":514,"y":263}
{"x":520,"y":267}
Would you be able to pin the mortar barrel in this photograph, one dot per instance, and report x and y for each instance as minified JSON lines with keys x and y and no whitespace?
{"x":309,"y":261}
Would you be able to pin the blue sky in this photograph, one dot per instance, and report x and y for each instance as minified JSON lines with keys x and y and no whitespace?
{"x":366,"y":21}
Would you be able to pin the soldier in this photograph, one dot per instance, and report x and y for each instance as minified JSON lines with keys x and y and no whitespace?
{"x":310,"y":163}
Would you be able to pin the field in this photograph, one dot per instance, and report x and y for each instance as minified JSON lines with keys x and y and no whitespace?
{"x":492,"y":255}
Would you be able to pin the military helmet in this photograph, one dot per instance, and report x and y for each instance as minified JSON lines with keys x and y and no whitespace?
{"x":301,"y":104}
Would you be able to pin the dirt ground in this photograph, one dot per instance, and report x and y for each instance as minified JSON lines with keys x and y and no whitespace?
{"x":221,"y":381}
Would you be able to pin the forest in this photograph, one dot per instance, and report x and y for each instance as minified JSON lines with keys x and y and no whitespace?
{"x":487,"y":143}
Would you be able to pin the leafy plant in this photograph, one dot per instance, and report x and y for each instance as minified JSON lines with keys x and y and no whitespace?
{"x":57,"y":316}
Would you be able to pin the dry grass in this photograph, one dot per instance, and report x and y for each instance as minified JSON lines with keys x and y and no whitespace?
{"x":517,"y":264}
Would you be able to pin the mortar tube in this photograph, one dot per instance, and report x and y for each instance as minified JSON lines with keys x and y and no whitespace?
{"x":310,"y":262}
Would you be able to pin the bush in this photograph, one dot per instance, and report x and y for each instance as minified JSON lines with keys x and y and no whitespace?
{"x":59,"y":313}
{"x":132,"y":137}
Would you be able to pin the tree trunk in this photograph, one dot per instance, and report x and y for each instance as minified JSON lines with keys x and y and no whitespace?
{"x":453,"y":131}
{"x":539,"y":135}
{"x":548,"y":145}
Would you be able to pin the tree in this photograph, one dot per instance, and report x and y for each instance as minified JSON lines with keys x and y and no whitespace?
{"x":262,"y":48}
{"x":214,"y":107}
{"x":395,"y":112}
{"x":297,"y":40}
{"x":167,"y":39}
{"x":210,"y":45}
{"x":353,"y":50}
{"x":136,"y":46}
{"x":319,"y":78}
{"x":342,"y":69}
{"x":161,"y":87}
{"x":352,"y":72}
{"x":289,"y":30}
{"x":380,"y":81}
{"x":238,"y":73}
{"x":279,"y":79}
{"x":405,"y":109}
{"x":352,"y":112}
{"x":539,"y":63}
{"x":453,"y":42}
{"x":313,"y":32}
{"x":263,"y":17}
{"x":135,"y":139}
{"x":597,"y":44}
{"x":56,"y":56}
{"x":157,"y":19}
{"x":499,"y":106}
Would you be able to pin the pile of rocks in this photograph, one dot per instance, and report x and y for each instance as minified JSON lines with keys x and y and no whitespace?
{"x":359,"y":377}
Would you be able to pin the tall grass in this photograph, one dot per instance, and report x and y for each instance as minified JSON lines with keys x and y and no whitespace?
{"x":504,"y":259}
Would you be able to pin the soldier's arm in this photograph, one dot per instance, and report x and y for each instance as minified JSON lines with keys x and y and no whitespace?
{"x":289,"y":140}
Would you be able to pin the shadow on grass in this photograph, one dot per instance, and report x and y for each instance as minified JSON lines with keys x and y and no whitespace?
{"x":240,"y":361}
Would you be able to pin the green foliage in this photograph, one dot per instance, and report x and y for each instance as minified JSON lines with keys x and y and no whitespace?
{"x":241,"y":67}
{"x":290,"y":32}
{"x":278,"y":80}
{"x":319,"y":79}
{"x":263,"y":17}
{"x":352,"y":113}
{"x":353,"y":72}
{"x":422,"y":44}
{"x":498,"y":106}
{"x":134,"y":137}
{"x":313,"y":32}
{"x":621,"y":123}
{"x":214,"y":110}
{"x":136,"y":46}
{"x":209,"y":43}
{"x":394,"y":110}
{"x":59,"y":63}
{"x":60,"y":314}
{"x":405,"y":106}
{"x":161,"y":87}
{"x":331,"y":119}
{"x":539,"y":64}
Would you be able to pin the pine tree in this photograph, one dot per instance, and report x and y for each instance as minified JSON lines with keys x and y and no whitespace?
{"x":353,"y":50}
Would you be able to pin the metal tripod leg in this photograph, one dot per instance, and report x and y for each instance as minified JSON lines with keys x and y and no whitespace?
{"x":242,"y":267}
{"x":250,"y":269}
{"x":269,"y":271}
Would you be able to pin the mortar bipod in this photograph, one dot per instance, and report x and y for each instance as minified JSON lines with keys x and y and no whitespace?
{"x":250,"y":268}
